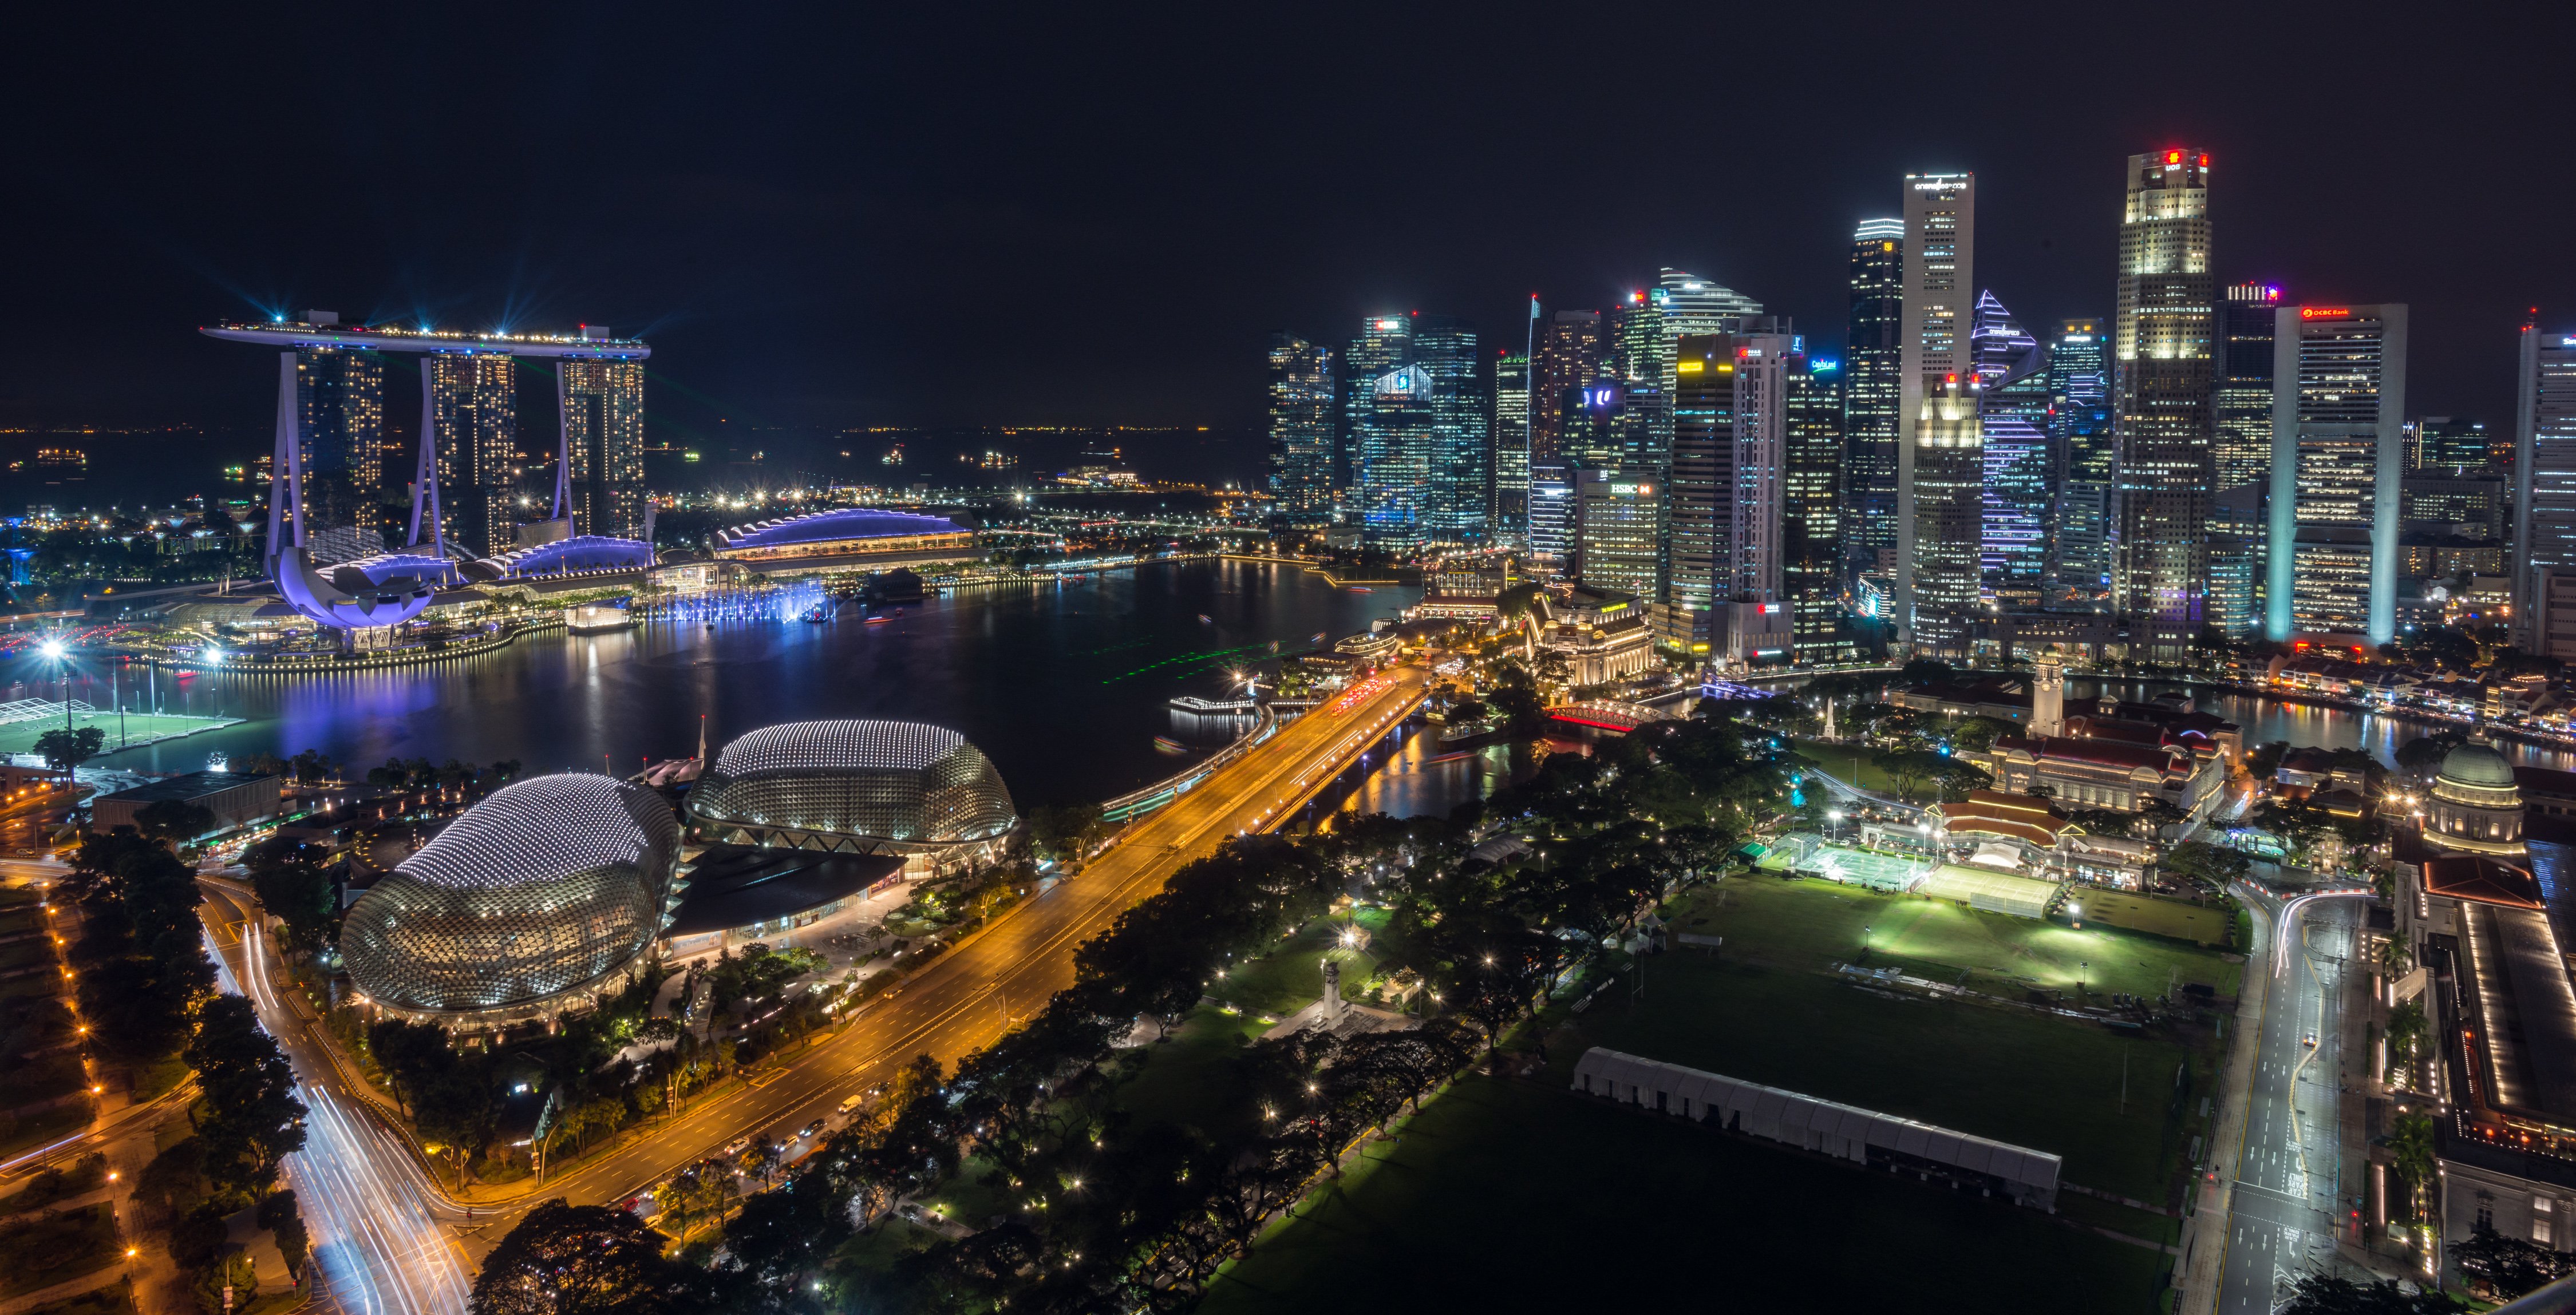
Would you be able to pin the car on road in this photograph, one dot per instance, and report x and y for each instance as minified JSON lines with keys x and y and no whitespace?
{"x":810,"y":1130}
{"x":2310,"y":1041}
{"x":738,"y":1145}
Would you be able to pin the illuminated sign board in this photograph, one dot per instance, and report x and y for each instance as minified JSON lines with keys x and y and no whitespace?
{"x":1689,"y":367}
{"x":2325,"y":312}
{"x":1633,"y":490}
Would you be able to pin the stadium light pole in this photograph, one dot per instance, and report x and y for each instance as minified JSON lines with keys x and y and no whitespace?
{"x":55,"y":653}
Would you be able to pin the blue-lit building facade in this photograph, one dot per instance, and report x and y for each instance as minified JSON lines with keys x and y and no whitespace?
{"x":1418,"y":440}
{"x":1871,"y":370}
{"x":1811,"y":531}
{"x":2012,"y":410}
{"x":846,"y":538}
{"x":2079,"y":435}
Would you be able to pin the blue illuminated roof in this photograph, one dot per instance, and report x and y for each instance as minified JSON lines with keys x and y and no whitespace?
{"x":839,"y":523}
{"x":582,"y":552}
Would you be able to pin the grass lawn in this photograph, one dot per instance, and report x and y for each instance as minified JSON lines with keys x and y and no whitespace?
{"x":1766,"y":1010}
{"x":43,"y":1251}
{"x":1847,"y":763}
{"x":1510,"y":1196}
{"x":1814,"y":924}
{"x":965,"y":1197}
{"x":2201,"y":924}
{"x":101,"y":1301}
{"x":1291,"y":975}
{"x":138,"y":727}
{"x":1189,"y":1079}
{"x":877,"y":1250}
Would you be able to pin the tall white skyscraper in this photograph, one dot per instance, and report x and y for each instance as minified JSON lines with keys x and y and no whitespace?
{"x":1940,"y":461}
{"x":2544,"y":495}
{"x":2338,"y":454}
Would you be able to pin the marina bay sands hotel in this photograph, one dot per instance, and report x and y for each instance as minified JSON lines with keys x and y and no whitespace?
{"x":332,"y":392}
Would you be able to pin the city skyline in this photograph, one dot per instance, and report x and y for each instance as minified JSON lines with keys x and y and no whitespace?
{"x":846,"y":294}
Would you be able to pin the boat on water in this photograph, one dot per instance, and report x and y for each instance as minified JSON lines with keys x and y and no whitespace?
{"x":1459,"y":756}
{"x":819,"y":613}
{"x":879,"y":620}
{"x":1362,"y":589}
{"x":1167,"y":744}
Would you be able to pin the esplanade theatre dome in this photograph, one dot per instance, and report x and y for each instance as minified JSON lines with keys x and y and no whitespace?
{"x":859,"y":786}
{"x":530,"y":902}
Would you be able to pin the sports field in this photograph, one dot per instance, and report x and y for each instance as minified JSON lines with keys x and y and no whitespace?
{"x":124,"y":730}
{"x":2199,"y":924}
{"x":1512,"y":1195}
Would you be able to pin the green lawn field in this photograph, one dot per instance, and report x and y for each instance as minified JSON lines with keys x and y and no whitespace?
{"x":1516,"y":1196}
{"x":131,"y":729}
{"x":2202,"y":924}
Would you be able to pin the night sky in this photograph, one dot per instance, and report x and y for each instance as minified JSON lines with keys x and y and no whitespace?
{"x":953,"y":214}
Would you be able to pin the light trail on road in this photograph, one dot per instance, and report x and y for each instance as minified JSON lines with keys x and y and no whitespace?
{"x":365,"y":1200}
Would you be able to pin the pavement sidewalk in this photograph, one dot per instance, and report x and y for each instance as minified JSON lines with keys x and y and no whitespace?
{"x":2204,"y":1245}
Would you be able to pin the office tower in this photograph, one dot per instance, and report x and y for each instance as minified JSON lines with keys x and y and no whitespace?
{"x":1811,"y":515}
{"x":1641,"y":361}
{"x":1454,"y":505}
{"x":2544,"y":494}
{"x":2163,"y":397}
{"x":1569,"y":357}
{"x":340,"y":397}
{"x":2079,"y":437}
{"x":2338,"y":420}
{"x":1871,"y":360}
{"x":1700,"y":491}
{"x":2447,"y":443}
{"x":1940,"y":465}
{"x":603,"y":419}
{"x":2242,"y":451}
{"x":1301,"y":430}
{"x":1384,"y":345}
{"x":1621,"y":529}
{"x":1551,"y":513}
{"x":475,"y":400}
{"x":2013,"y":400}
{"x":1390,"y":490}
{"x":1511,"y":426}
{"x":1694,"y":305}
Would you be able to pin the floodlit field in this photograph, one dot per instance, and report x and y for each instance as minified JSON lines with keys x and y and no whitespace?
{"x":2201,"y":924}
{"x":123,"y":731}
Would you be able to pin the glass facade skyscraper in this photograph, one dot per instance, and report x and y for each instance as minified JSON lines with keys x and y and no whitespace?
{"x":1384,"y":345}
{"x":475,"y":399}
{"x":1871,"y":360}
{"x":1692,"y":304}
{"x":2243,"y":449}
{"x":1940,"y":458}
{"x":1569,"y":357}
{"x":1811,"y":517}
{"x":340,"y":394}
{"x":2163,"y":400}
{"x":2079,"y":435}
{"x":2338,"y":421}
{"x":1511,"y":444}
{"x":1301,"y":429}
{"x":1457,"y":504}
{"x":2012,"y":415}
{"x":2544,"y":492}
{"x":603,"y":419}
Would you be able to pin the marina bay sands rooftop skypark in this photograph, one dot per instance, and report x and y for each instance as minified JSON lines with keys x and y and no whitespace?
{"x":323,"y":329}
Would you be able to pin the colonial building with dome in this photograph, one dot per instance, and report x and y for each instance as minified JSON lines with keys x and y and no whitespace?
{"x":2475,"y":806}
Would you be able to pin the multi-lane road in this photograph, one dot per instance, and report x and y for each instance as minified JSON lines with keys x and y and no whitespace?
{"x":2286,"y":1201}
{"x":392,"y":1242}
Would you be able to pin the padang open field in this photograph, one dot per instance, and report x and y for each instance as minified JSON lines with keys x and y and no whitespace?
{"x":1768,"y":1007}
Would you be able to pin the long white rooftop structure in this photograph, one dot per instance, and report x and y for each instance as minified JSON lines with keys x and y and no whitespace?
{"x":589,"y":343}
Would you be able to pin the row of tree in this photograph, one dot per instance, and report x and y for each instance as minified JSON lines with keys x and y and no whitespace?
{"x":1122,"y":1216}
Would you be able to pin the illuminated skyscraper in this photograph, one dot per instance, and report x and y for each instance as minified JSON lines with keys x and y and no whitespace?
{"x":1511,"y":444}
{"x":1384,"y":345}
{"x":2163,"y":396}
{"x":1641,"y":362}
{"x":475,"y":397}
{"x":2079,"y":434}
{"x":2447,"y":443}
{"x":1569,"y":359}
{"x":1940,"y":458}
{"x":1455,"y":498}
{"x":1621,"y":529}
{"x":1700,"y":493}
{"x":1871,"y":393}
{"x":1301,"y":429}
{"x":340,"y":392}
{"x":2243,"y":450}
{"x":1391,"y":467}
{"x":2544,"y":495}
{"x":2012,"y":418}
{"x":2338,"y":421}
{"x":603,"y":419}
{"x":1810,"y":521}
{"x":1692,"y":304}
